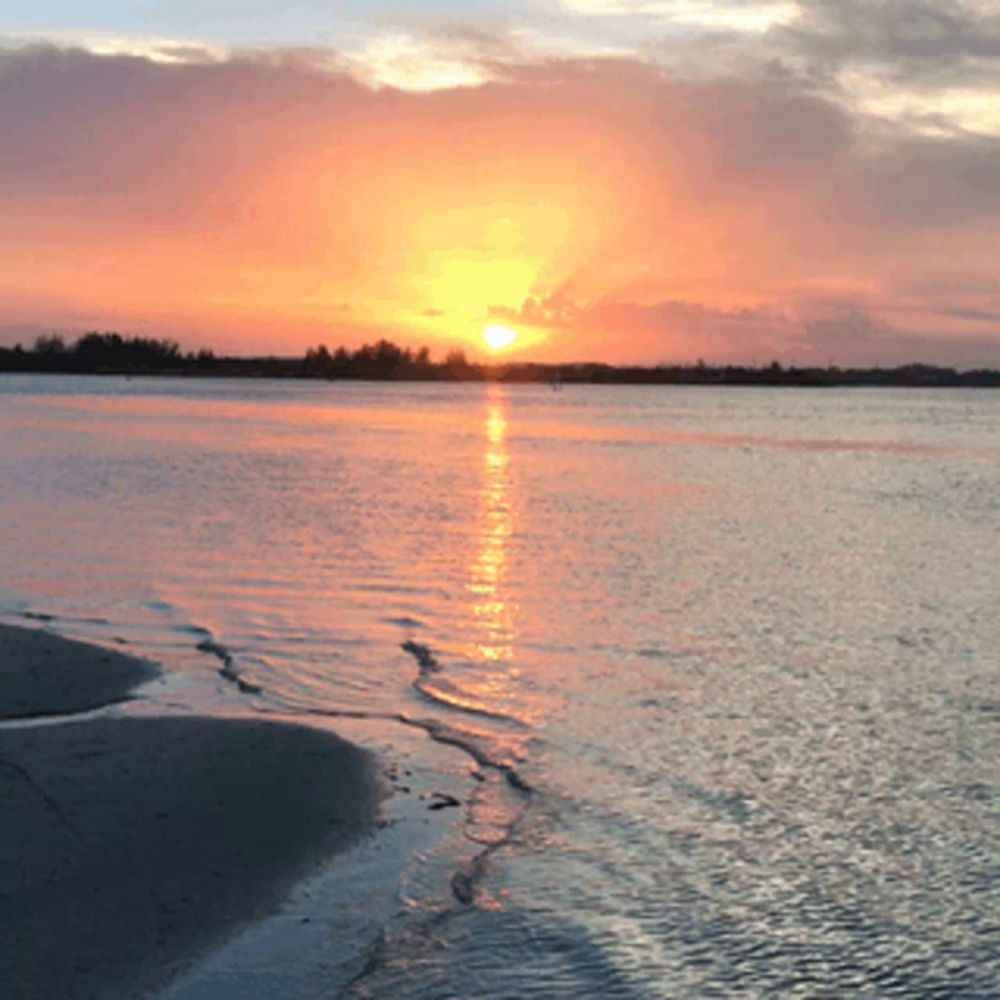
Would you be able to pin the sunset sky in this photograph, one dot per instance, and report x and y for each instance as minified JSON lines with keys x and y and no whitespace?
{"x":619,"y":180}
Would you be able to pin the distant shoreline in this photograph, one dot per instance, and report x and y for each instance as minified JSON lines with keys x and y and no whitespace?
{"x":282,"y":370}
{"x":383,"y":361}
{"x":557,"y":376}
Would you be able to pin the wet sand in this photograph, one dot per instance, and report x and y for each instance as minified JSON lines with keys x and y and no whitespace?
{"x":45,"y":674}
{"x":129,"y":846}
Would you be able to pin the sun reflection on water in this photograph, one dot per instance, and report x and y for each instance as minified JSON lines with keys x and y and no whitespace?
{"x":492,"y":608}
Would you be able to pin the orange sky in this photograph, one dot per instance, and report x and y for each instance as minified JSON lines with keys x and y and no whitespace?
{"x":605,"y":209}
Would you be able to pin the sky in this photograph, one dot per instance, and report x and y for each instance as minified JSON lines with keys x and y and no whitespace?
{"x":812,"y":181}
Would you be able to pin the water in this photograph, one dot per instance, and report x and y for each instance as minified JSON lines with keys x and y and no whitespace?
{"x":723,"y":662}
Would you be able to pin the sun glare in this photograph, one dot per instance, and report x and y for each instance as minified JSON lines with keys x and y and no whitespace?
{"x":498,"y":337}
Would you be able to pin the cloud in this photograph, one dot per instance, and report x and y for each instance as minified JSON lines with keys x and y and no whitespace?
{"x":662,"y":331}
{"x":621,"y":209}
{"x":931,"y":64}
{"x":927,"y":66}
{"x":409,"y":62}
{"x":810,"y":332}
{"x":726,"y":15}
{"x":939,"y":41}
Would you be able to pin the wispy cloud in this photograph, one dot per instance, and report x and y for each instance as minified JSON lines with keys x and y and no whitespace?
{"x":718,"y":15}
{"x":409,"y":62}
{"x":158,"y":49}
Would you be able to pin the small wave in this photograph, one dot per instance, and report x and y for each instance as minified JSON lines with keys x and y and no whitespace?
{"x":44,"y":616}
{"x":441,"y":732}
{"x":194,"y":630}
{"x":422,"y":654}
{"x":228,"y":669}
{"x":405,"y":621}
{"x":164,"y":607}
{"x":442,"y":692}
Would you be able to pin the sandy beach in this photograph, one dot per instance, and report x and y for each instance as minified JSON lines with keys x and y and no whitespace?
{"x":129,"y":846}
{"x":44,"y":674}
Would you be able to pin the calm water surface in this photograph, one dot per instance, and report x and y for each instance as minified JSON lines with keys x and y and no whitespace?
{"x":724,"y":661}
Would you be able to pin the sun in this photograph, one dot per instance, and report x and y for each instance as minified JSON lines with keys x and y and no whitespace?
{"x":498,"y":337}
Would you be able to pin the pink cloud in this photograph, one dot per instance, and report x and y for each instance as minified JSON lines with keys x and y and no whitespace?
{"x":245,"y":201}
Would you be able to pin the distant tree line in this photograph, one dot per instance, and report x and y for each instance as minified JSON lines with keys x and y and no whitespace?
{"x":111,"y":353}
{"x":773,"y":374}
{"x":101,"y":353}
{"x":386,"y":361}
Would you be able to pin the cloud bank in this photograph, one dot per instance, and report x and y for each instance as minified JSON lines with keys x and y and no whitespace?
{"x":616,"y":206}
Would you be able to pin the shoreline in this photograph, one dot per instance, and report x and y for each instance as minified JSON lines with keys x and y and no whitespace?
{"x":132,"y":847}
{"x":723,"y":375}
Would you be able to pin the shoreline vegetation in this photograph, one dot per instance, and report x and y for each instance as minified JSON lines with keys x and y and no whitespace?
{"x":113,"y":354}
{"x":130,"y":846}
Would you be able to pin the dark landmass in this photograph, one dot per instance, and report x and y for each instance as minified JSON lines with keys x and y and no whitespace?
{"x":113,"y":354}
{"x":130,"y":846}
{"x":44,"y":674}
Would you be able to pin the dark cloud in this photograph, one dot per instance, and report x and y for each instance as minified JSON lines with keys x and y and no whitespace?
{"x":926,"y":41}
{"x":916,"y":182}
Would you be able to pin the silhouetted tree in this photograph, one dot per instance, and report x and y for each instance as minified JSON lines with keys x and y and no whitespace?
{"x":318,"y":362}
{"x":53,"y":344}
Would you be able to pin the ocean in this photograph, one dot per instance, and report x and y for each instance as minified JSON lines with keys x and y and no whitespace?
{"x":713,"y":673}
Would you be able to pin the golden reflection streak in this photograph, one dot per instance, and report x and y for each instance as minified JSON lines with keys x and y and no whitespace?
{"x":491,"y":607}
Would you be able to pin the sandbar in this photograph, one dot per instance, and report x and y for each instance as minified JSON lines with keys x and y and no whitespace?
{"x":45,"y":674}
{"x":130,"y":846}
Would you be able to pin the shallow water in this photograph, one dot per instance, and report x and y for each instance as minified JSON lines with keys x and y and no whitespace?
{"x":724,"y":661}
